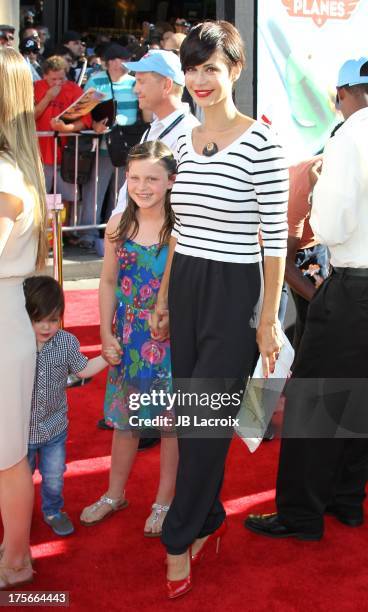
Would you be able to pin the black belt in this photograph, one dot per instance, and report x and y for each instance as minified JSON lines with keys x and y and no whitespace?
{"x":361,"y":272}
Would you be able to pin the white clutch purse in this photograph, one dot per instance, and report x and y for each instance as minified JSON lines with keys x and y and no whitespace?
{"x":261,"y":397}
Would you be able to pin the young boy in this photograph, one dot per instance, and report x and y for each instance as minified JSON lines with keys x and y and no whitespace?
{"x":58,"y":355}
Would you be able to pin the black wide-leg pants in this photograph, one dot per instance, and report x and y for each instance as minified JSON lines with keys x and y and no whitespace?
{"x":213,"y":308}
{"x":324,"y":450}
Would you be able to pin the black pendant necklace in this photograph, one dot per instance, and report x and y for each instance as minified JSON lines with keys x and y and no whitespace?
{"x":210,"y":149}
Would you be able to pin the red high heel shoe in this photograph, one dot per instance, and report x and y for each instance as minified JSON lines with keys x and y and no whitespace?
{"x":177,"y":588}
{"x":216,"y":535}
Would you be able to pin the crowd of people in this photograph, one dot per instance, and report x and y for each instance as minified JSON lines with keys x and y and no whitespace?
{"x":60,"y":74}
{"x":196,"y":255}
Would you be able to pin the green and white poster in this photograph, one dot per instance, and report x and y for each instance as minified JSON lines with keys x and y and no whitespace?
{"x":301,"y":46}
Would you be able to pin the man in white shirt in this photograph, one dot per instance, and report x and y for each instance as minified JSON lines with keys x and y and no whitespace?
{"x":159,"y":87}
{"x":323,"y":466}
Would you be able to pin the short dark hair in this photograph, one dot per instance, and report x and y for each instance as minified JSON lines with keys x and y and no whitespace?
{"x":44,"y":297}
{"x":70,"y":36}
{"x":62,"y":50}
{"x":116,"y":51}
{"x":206,"y":38}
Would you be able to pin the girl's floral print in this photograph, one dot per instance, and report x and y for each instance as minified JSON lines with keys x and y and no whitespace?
{"x":145,"y":363}
{"x":126,"y":285}
{"x":153,"y":352}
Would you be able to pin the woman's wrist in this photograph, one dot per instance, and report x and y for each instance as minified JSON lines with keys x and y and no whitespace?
{"x":269,"y":321}
{"x":162,"y":300}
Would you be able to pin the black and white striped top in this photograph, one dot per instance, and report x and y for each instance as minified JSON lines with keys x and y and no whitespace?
{"x":221,"y":202}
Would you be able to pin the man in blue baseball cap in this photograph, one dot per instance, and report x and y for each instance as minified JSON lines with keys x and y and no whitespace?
{"x":159,"y":87}
{"x":353,"y":72}
{"x":323,"y":467}
{"x":161,"y":62}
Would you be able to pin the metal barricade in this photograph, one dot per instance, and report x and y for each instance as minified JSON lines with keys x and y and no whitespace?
{"x":55,"y":206}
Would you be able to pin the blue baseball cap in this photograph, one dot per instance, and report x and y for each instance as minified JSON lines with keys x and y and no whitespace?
{"x":353,"y":72}
{"x":165,"y":63}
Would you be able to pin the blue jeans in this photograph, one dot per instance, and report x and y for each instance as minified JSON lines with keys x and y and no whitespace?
{"x":51,"y":464}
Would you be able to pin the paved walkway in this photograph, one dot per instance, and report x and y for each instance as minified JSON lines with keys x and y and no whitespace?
{"x":78,"y":264}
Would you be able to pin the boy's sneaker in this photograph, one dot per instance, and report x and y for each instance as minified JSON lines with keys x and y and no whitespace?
{"x":60,"y":523}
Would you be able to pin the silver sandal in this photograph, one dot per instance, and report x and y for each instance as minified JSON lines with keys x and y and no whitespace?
{"x":112,"y":505}
{"x":21,"y":575}
{"x":156,"y":517}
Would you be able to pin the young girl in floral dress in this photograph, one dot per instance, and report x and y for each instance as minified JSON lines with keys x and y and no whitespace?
{"x":135,"y":258}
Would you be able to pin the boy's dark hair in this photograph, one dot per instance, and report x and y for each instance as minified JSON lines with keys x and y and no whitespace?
{"x":44,"y":297}
{"x":204,"y":39}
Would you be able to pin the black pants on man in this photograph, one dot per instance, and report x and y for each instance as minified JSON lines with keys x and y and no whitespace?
{"x":324,"y":451}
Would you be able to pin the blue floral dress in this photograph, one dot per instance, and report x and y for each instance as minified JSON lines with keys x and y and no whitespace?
{"x":146,"y":363}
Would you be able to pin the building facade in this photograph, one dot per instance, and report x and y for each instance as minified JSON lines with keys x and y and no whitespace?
{"x":118,"y":16}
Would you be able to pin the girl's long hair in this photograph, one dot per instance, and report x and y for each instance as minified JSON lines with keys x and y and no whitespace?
{"x":129,"y":226}
{"x":18,"y":138}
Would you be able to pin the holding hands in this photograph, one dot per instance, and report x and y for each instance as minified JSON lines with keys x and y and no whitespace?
{"x":159,"y":322}
{"x":111,"y":350}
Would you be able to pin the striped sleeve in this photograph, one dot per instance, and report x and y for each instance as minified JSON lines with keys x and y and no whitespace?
{"x":175,"y":232}
{"x":271,"y":185}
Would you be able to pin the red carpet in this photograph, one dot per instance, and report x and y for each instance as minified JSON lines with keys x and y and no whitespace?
{"x":113,"y":567}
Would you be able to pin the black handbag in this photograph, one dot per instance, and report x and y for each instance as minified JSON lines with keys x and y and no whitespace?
{"x":86,"y":156}
{"x":121,"y":138}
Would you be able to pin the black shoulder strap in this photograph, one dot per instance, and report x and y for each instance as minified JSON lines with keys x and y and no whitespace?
{"x":110,"y":81}
{"x":113,"y":97}
{"x":145,"y":135}
{"x":166,"y":130}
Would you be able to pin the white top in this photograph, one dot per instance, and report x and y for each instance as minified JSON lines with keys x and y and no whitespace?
{"x":221,"y":202}
{"x":157,"y":127}
{"x":339,"y":215}
{"x":18,"y":258}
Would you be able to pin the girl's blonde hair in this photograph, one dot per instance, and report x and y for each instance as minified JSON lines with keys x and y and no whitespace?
{"x":128,"y":226}
{"x":18,"y":138}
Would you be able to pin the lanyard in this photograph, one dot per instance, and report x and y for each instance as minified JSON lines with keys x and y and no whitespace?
{"x":166,"y":130}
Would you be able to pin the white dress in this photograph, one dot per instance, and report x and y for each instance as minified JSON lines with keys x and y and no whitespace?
{"x":17,"y":339}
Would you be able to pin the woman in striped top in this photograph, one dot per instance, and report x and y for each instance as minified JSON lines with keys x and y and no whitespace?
{"x":232,"y":182}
